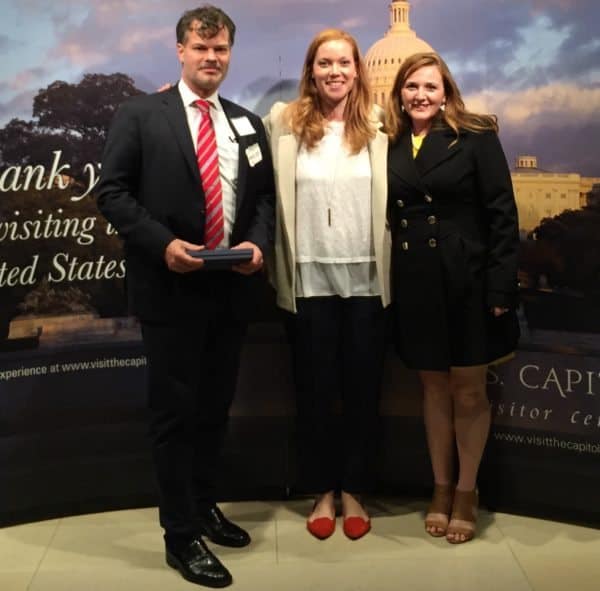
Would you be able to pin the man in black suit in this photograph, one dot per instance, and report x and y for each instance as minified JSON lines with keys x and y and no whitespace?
{"x":193,"y":317}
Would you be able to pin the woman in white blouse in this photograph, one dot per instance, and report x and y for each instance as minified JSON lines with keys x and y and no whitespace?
{"x":331,"y":271}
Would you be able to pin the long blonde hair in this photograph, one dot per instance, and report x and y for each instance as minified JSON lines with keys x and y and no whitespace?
{"x":305,"y":115}
{"x":455,"y":114}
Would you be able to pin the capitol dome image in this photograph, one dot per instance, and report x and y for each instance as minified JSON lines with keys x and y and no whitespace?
{"x":385,"y":56}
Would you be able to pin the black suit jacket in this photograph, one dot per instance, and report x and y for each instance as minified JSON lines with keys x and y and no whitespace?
{"x":470,"y":194}
{"x":150,"y":191}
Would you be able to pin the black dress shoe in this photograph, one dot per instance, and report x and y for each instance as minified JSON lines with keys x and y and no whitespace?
{"x":197,"y":564}
{"x":218,"y":529}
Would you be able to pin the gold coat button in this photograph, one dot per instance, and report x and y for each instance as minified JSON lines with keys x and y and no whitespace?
{"x":432,"y":242}
{"x":400,"y":203}
{"x":428,"y":198}
{"x":431,"y":219}
{"x":404,"y":223}
{"x":405,"y":246}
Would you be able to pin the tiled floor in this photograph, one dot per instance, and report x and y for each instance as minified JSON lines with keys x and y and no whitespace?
{"x":122,"y":551}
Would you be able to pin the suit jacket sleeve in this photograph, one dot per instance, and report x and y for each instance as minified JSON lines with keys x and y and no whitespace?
{"x":498,"y":200}
{"x":119,"y":186}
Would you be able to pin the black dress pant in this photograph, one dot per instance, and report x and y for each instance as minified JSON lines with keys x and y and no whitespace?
{"x":192,"y":373}
{"x":338,"y":347}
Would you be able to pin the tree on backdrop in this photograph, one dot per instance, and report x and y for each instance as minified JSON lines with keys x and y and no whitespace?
{"x":574,"y":236}
{"x":73,"y":118}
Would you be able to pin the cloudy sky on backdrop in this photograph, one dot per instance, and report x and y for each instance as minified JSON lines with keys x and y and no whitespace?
{"x":535,"y":63}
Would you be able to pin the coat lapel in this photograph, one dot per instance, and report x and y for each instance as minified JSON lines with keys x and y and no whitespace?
{"x":402,"y":164}
{"x":436,"y":148}
{"x":243,"y":141}
{"x":175,"y":114}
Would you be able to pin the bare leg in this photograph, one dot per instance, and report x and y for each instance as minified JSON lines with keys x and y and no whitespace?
{"x":472,"y":424}
{"x":439,"y":427}
{"x":471,"y":420}
{"x":352,"y":507}
{"x":324,"y":507}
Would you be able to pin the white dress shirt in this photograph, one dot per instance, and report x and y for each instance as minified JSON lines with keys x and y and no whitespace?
{"x":227,"y":148}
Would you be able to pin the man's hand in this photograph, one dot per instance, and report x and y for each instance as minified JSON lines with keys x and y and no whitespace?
{"x":178,"y":260}
{"x":497,"y":311}
{"x":252,"y":266}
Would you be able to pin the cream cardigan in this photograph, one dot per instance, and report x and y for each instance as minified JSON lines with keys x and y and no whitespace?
{"x":282,"y":265}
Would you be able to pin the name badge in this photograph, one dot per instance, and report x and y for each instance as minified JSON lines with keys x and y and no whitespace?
{"x":253,"y":154}
{"x":243,"y":126}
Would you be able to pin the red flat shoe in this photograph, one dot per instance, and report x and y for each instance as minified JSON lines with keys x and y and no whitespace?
{"x":321,"y":528}
{"x":356,"y":527}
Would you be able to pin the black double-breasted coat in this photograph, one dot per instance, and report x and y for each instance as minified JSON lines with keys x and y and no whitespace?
{"x":454,"y":249}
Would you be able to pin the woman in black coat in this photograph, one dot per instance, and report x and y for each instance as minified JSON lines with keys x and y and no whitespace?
{"x":454,"y":268}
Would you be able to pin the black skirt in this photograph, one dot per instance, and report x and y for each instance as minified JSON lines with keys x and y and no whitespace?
{"x":441,"y":318}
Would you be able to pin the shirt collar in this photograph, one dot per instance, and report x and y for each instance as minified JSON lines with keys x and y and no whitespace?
{"x":189,"y":97}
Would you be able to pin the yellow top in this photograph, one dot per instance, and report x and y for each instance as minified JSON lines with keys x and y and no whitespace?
{"x":417,"y":140}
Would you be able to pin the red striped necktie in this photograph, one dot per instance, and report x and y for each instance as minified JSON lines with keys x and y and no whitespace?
{"x":208,"y":164}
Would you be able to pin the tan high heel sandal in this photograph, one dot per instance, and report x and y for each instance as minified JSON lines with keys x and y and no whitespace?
{"x":464,"y":509}
{"x":438,"y":513}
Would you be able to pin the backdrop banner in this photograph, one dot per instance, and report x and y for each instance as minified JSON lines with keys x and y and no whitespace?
{"x":72,"y":366}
